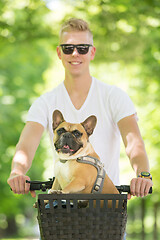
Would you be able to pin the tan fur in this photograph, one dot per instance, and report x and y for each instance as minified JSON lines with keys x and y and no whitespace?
{"x":74,"y":177}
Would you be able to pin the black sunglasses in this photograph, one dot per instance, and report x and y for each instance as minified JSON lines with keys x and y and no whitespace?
{"x":81,"y":48}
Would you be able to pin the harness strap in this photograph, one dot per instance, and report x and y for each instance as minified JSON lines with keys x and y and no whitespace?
{"x":98,"y":185}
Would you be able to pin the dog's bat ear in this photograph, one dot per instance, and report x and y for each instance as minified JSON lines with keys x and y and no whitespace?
{"x":89,"y":124}
{"x":57,"y":119}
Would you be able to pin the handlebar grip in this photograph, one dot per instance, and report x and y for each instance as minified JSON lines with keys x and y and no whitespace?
{"x":34,"y":186}
{"x":150,"y":190}
{"x":126,"y":188}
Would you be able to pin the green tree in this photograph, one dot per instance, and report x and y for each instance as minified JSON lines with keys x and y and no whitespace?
{"x":126,"y":35}
{"x":25,"y":45}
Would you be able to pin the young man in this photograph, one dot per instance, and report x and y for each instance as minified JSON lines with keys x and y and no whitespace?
{"x":78,"y":97}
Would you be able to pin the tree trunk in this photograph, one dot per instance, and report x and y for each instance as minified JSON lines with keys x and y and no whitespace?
{"x":155,"y":233}
{"x":143,"y":215}
{"x":12,"y":227}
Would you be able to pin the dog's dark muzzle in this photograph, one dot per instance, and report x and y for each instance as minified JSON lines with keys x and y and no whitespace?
{"x":67,"y":144}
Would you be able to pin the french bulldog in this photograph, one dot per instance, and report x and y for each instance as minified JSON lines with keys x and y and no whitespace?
{"x":71,"y":141}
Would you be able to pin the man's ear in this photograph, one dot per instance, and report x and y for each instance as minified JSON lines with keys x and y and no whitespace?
{"x":93,"y":52}
{"x":57,"y":119}
{"x":89,"y":124}
{"x":59,"y":52}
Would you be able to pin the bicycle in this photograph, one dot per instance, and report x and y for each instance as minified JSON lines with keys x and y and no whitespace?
{"x":63,"y":219}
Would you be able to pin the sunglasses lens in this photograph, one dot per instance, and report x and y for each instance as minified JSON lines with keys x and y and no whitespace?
{"x":82,"y":49}
{"x":67,"y":49}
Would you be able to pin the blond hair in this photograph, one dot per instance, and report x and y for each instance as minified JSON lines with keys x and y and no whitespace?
{"x":75,"y":25}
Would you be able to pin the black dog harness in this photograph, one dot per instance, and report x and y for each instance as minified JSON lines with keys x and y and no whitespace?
{"x":98,"y":185}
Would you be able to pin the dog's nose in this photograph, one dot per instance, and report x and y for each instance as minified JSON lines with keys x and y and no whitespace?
{"x":67,"y":135}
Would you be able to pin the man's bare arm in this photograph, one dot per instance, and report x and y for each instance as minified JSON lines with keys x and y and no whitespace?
{"x":22,"y":160}
{"x":136,"y":152}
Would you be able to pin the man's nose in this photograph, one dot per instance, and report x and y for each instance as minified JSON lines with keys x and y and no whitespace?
{"x":75,"y":52}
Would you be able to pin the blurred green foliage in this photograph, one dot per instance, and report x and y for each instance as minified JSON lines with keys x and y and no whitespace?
{"x":126,"y":35}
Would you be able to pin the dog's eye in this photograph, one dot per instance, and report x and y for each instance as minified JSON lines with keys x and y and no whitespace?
{"x":60,"y":131}
{"x":77,"y":134}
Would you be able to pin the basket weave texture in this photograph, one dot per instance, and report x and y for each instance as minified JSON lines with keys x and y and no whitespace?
{"x":69,"y":222}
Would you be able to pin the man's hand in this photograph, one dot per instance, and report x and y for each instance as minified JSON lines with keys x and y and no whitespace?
{"x":140,"y":187}
{"x":18,"y":184}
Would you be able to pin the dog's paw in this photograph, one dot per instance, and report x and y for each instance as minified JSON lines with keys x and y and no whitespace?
{"x":83,"y":203}
{"x":51,"y":191}
{"x":35,"y":205}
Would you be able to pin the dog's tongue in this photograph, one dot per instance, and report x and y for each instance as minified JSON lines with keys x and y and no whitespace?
{"x":67,"y":147}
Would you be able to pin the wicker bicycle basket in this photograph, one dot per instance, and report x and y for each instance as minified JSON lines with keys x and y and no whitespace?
{"x":70,"y":222}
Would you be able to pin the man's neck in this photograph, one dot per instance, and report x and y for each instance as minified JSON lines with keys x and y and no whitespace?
{"x":78,"y":84}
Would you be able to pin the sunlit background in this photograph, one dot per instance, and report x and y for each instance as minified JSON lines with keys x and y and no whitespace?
{"x":127,"y":38}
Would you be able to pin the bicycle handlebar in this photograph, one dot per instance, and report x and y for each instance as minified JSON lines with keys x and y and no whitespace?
{"x":43,"y":186}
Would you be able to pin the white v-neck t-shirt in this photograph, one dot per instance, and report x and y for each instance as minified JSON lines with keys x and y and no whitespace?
{"x":108,"y":103}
